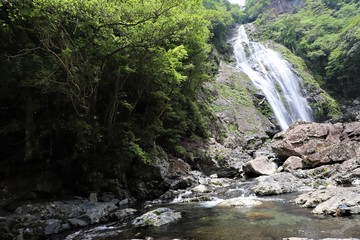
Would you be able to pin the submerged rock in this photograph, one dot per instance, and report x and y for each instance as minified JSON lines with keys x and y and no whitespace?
{"x":258,"y":216}
{"x":157,"y":218}
{"x":239,"y":202}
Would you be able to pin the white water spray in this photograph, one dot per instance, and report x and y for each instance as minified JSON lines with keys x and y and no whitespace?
{"x":270,"y":73}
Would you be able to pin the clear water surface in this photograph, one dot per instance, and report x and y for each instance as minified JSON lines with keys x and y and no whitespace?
{"x":271,"y":220}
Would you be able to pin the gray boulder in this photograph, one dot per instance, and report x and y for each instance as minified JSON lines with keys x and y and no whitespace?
{"x":332,"y":201}
{"x":293,"y":163}
{"x":75,"y":223}
{"x":95,"y":213}
{"x":275,"y":184}
{"x":123,"y":214}
{"x":157,"y":218}
{"x":52,"y":226}
{"x":348,"y":172}
{"x":260,"y":166}
{"x":351,"y":132}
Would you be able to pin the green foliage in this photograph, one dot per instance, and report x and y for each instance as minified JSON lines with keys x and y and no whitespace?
{"x":326,"y":107}
{"x":343,"y":66}
{"x":326,"y":35}
{"x":223,"y":16}
{"x":102,"y":79}
{"x":139,"y":152}
{"x":254,"y":9}
{"x":180,"y":151}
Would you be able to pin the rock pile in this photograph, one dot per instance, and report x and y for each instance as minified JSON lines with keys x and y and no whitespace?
{"x":318,"y":143}
{"x":324,"y":157}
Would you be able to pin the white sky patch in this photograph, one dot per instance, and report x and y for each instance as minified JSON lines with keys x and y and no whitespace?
{"x":239,"y":2}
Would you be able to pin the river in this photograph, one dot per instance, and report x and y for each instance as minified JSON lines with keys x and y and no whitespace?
{"x":274,"y":219}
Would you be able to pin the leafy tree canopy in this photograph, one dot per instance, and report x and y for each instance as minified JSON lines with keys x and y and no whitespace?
{"x":84,"y":80}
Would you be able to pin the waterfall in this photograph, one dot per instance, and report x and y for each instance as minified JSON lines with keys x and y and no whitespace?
{"x":273,"y":75}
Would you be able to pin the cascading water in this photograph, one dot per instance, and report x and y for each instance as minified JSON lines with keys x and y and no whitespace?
{"x":270,"y":73}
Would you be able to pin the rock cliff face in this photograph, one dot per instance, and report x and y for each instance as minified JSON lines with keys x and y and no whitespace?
{"x":286,"y":6}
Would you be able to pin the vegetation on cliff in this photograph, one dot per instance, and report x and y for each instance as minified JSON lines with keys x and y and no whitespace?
{"x":325,"y":33}
{"x":323,"y":106}
{"x":88,"y":86}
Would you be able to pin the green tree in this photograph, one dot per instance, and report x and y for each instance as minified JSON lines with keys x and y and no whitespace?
{"x":324,"y":34}
{"x":89,"y":85}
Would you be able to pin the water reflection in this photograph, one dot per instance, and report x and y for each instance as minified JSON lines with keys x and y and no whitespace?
{"x":271,"y":220}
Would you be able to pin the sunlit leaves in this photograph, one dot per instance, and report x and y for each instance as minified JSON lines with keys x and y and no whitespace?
{"x":325,"y":33}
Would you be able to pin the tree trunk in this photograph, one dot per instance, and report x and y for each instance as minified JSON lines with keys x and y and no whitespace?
{"x":29,"y":129}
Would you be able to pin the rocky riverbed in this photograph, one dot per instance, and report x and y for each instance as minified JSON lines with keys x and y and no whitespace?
{"x":318,"y":163}
{"x":313,"y":167}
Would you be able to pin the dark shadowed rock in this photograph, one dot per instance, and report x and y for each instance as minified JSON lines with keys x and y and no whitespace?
{"x":52,"y":226}
{"x":75,"y":223}
{"x":42,"y":219}
{"x":150,"y":181}
{"x":123,"y":214}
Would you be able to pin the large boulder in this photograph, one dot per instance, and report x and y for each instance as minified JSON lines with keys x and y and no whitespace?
{"x":319,"y":143}
{"x":150,"y":181}
{"x":123,"y":214}
{"x":332,"y":201}
{"x":157,"y":218}
{"x":293,"y":163}
{"x":260,"y":166}
{"x":275,"y":184}
{"x":338,"y":152}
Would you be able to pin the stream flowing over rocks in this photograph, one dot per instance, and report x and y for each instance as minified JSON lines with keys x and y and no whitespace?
{"x":319,"y":162}
{"x":310,"y":165}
